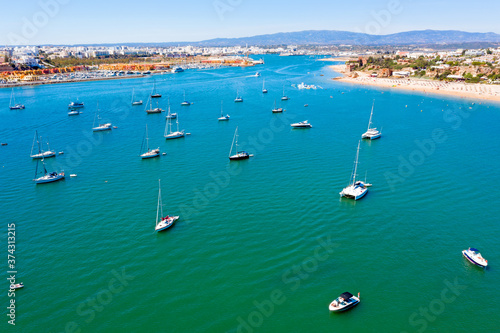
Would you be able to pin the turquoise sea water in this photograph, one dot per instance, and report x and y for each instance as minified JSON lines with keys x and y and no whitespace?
{"x":262,"y":245}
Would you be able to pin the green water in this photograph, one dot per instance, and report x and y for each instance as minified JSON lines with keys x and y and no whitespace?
{"x":262,"y":245}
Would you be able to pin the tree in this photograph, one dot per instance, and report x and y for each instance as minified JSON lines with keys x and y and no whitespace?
{"x":488,"y":51}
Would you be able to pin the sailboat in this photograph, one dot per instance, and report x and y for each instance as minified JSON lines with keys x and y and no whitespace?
{"x":275,"y":109}
{"x":185,"y":103}
{"x":150,"y":152}
{"x":222,"y":117}
{"x":47,"y":177}
{"x":264,"y":90}
{"x":100,"y":127}
{"x":238,"y":99}
{"x":41,"y":153}
{"x":356,"y":189}
{"x":371,"y":133}
{"x":151,"y":110}
{"x":240,"y":155}
{"x":170,"y":115}
{"x":135,"y":102}
{"x":162,"y":222}
{"x":285,"y":97}
{"x":154,"y":94}
{"x":168,"y":130}
{"x":14,"y":106}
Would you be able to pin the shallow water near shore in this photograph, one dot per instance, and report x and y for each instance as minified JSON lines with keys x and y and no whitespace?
{"x":262,"y":245}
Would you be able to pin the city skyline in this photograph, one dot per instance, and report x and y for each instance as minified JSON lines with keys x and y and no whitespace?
{"x":92,"y":22}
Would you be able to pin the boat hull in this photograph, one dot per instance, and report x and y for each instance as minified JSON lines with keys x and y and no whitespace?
{"x":341,"y":308}
{"x":472,"y":260}
{"x":239,"y":157}
{"x":49,"y":179}
{"x":151,"y":154}
{"x":102,"y":128}
{"x":164,"y":225}
{"x":355,"y":194}
{"x":47,"y":154}
{"x":370,"y":136}
{"x":17,"y":107}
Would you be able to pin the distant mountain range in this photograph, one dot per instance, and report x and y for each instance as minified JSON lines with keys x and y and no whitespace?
{"x":333,"y":37}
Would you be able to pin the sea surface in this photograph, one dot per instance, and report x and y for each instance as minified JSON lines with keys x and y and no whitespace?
{"x":265,"y":244}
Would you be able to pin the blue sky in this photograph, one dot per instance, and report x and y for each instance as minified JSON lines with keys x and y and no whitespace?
{"x":112,"y":21}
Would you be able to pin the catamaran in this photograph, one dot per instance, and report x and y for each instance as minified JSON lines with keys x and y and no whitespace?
{"x":264,"y":90}
{"x":163,"y":223}
{"x":14,"y":106}
{"x":154,"y":94}
{"x":285,"y":97}
{"x":238,"y":99}
{"x":100,"y":127}
{"x":135,"y":102}
{"x":47,"y":177}
{"x":150,"y":153}
{"x":168,"y":130}
{"x":152,"y":110}
{"x":41,"y":154}
{"x":371,"y":133}
{"x":222,"y":117}
{"x":185,"y":102}
{"x":356,"y":189}
{"x":240,"y":155}
{"x":275,"y":109}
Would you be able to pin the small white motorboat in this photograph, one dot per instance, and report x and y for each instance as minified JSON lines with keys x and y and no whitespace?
{"x":16,"y":286}
{"x":475,"y":257}
{"x":344,"y":302}
{"x":73,"y":112}
{"x":302,"y":124}
{"x":73,"y":175}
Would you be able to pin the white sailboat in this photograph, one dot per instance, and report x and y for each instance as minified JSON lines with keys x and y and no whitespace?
{"x":135,"y":102}
{"x":285,"y":97}
{"x":100,"y":127}
{"x":168,"y":130}
{"x":222,"y":117}
{"x":356,"y":189}
{"x":240,"y":155}
{"x":275,"y":109}
{"x":41,"y":153}
{"x":150,"y":109}
{"x":371,"y":133}
{"x":185,"y":102}
{"x":47,"y":177}
{"x":238,"y":99}
{"x":162,"y":222}
{"x":169,"y":114}
{"x":150,"y":153}
{"x":264,"y":90}
{"x":12,"y":104}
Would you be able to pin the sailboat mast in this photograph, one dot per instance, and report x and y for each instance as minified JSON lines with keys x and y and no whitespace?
{"x":355,"y":166}
{"x":132,"y":95}
{"x":232,"y":144}
{"x":221,"y":107}
{"x":371,"y":114}
{"x":147,"y":138}
{"x":159,"y":201}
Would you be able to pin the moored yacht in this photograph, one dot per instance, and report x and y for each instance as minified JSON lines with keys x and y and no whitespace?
{"x":240,"y":155}
{"x":475,"y":257}
{"x":356,"y":189}
{"x":302,"y":124}
{"x":371,"y":133}
{"x":222,"y":117}
{"x":75,"y":105}
{"x":344,"y":302}
{"x":47,"y":177}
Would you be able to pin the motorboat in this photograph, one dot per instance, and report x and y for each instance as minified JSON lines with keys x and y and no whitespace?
{"x":302,"y":124}
{"x":75,"y":105}
{"x":73,"y":112}
{"x":344,"y":302}
{"x":475,"y":257}
{"x":16,"y":286}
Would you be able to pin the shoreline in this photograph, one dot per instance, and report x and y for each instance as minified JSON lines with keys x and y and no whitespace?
{"x":456,"y":89}
{"x":37,"y":83}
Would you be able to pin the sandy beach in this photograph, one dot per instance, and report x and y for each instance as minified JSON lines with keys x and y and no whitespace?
{"x":458,"y":89}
